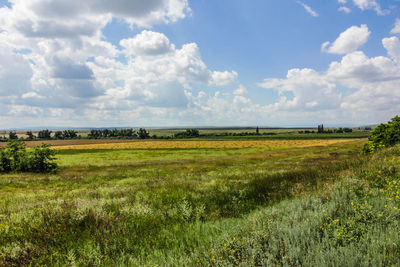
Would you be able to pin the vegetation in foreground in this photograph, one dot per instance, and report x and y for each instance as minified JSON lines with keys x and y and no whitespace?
{"x":301,"y":206}
{"x":384,"y":135}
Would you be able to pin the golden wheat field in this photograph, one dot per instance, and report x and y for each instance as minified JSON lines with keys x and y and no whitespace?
{"x":156,"y":144}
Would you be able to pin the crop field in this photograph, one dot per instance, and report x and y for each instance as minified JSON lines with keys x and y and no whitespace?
{"x":204,"y":203}
{"x":156,"y":144}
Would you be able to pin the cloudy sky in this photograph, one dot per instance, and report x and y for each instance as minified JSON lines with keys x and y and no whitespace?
{"x":134,"y":63}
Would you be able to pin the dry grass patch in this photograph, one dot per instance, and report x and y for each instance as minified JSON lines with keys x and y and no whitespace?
{"x":156,"y":144}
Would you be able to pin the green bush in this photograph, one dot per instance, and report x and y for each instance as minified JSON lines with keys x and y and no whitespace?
{"x":41,"y":159}
{"x":384,"y":135}
{"x":15,"y":158}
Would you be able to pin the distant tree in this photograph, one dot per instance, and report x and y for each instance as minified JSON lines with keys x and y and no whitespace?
{"x":321,"y":128}
{"x":188,"y":133}
{"x":12,"y":135}
{"x":143,"y":134}
{"x":95,"y":134}
{"x":44,"y":134}
{"x":69,"y":134}
{"x":58,"y":135}
{"x":193,"y":132}
{"x":30,"y":135}
{"x":257,"y":131}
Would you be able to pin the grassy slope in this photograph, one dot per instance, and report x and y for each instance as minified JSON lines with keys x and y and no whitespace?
{"x":224,"y":207}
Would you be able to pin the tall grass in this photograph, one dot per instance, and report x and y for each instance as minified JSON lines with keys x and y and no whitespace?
{"x":342,"y":210}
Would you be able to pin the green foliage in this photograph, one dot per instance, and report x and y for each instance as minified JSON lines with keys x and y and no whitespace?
{"x":41,"y":159}
{"x":384,"y":135}
{"x":189,"y":133}
{"x":44,"y":134}
{"x":115,"y":133}
{"x":5,"y":161}
{"x":58,"y":135}
{"x":66,"y":134}
{"x":15,"y":158}
{"x":30,"y":135}
{"x":143,"y":134}
{"x":12,"y":135}
{"x":321,"y":128}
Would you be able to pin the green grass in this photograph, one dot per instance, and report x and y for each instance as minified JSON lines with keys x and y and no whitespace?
{"x":251,"y":207}
{"x":276,"y":134}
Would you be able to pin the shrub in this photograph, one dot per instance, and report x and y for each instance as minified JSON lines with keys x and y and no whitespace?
{"x":15,"y":158}
{"x":384,"y":135}
{"x":42,"y":159}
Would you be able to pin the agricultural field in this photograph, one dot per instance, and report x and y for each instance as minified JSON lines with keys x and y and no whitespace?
{"x":205,"y":203}
{"x":217,"y":134}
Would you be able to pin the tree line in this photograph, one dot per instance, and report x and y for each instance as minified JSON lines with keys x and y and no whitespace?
{"x":72,"y":134}
{"x":142,"y":133}
{"x":118,"y":133}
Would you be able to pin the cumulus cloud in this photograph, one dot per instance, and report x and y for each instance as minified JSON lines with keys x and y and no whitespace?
{"x":223,"y":78}
{"x":55,"y":64}
{"x":158,"y":76}
{"x":53,"y":18}
{"x":392,"y":46}
{"x":54,"y":61}
{"x":367,"y":87}
{"x":241,"y":90}
{"x":15,"y":72}
{"x":310,"y":90}
{"x":396,"y":28}
{"x":348,"y":41}
{"x":147,"y":43}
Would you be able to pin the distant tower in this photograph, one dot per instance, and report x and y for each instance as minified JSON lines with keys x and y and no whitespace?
{"x":257,"y":131}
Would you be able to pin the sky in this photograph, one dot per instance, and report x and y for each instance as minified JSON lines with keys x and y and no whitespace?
{"x":168,"y":63}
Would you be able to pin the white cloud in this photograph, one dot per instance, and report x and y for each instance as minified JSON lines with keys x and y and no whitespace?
{"x":147,"y":43}
{"x":396,"y":28}
{"x":63,"y":19}
{"x":392,"y":46}
{"x":345,"y":9}
{"x":308,"y":9}
{"x":15,"y":71}
{"x":240,"y":91}
{"x":368,"y":88}
{"x":158,"y":79}
{"x":356,"y":69}
{"x":370,"y":5}
{"x":310,"y":90}
{"x":223,"y":78}
{"x":31,"y":95}
{"x":342,"y":1}
{"x":56,"y":67}
{"x":53,"y":59}
{"x":348,"y":41}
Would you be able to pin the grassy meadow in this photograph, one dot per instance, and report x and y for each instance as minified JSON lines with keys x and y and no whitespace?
{"x":188,"y":203}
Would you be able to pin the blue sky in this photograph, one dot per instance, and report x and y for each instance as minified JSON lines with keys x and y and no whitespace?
{"x":194,"y":63}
